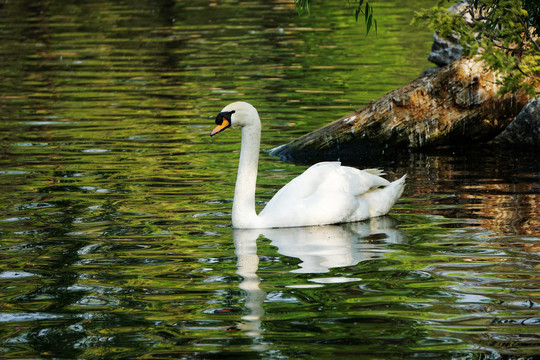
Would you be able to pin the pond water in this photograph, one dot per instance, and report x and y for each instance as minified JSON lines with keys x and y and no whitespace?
{"x":115,"y":235}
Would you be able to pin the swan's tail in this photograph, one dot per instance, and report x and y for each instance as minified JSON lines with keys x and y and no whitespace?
{"x":378,"y":172}
{"x":381,"y":200}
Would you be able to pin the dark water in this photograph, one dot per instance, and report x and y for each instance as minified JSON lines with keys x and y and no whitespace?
{"x":115,"y":237}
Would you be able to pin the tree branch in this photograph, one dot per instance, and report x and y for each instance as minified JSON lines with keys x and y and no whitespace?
{"x":529,"y":36}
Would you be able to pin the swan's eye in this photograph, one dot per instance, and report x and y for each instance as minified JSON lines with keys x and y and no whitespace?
{"x":224,"y":115}
{"x":223,"y":121}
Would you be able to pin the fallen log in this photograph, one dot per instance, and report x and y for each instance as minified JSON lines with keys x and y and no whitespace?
{"x":454,"y":105}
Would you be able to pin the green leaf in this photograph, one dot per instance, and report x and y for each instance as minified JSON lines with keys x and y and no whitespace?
{"x":366,"y":12}
{"x":368,"y":24}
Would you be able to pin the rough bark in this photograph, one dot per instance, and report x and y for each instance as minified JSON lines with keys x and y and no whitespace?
{"x":456,"y":104}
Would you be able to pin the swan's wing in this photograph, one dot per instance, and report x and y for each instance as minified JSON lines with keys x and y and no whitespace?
{"x":329,"y":177}
{"x":350,"y":180}
{"x":307,"y":183}
{"x":326,"y":183}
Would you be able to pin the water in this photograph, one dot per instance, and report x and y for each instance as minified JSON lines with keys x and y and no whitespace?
{"x":115,"y":237}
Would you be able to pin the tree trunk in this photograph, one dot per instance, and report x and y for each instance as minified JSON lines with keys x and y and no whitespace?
{"x":454,"y":105}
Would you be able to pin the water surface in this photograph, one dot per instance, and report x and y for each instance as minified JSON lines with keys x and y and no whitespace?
{"x":115,"y":236}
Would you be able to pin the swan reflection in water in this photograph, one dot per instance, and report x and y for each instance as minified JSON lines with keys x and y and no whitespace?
{"x":319,"y":249}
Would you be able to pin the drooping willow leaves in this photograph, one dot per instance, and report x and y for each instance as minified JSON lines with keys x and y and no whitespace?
{"x":361,"y":7}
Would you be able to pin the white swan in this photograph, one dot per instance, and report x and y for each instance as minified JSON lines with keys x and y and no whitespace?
{"x":326,"y":193}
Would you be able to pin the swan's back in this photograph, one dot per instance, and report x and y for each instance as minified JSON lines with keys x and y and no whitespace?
{"x":328,"y":193}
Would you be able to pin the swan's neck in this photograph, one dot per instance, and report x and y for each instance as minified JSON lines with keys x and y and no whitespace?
{"x":243,"y":212}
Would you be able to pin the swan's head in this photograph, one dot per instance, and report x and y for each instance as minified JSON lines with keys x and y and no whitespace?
{"x":236,"y":115}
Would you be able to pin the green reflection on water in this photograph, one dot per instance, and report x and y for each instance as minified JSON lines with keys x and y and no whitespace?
{"x":115,"y":204}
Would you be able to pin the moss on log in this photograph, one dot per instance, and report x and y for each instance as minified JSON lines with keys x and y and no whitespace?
{"x":454,"y":105}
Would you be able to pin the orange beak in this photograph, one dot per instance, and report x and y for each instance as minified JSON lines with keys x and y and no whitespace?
{"x":225,"y":124}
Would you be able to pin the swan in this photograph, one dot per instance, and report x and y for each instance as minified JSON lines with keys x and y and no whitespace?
{"x":326,"y":193}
